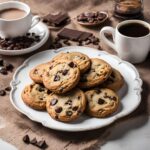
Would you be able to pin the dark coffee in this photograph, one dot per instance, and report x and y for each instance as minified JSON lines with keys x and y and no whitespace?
{"x":134,"y":30}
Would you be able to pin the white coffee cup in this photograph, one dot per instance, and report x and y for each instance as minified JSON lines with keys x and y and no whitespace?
{"x":132,"y":49}
{"x":17,"y":27}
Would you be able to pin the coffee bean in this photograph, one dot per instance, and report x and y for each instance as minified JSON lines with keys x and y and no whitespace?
{"x":41,"y":144}
{"x":26,"y":139}
{"x":72,"y":65}
{"x":56,"y":78}
{"x":75,"y":108}
{"x":9,"y":67}
{"x":8,"y":88}
{"x":58,"y":109}
{"x":53,"y":102}
{"x":69,"y":113}
{"x":3,"y":71}
{"x":101,"y":101}
{"x":64,"y":72}
{"x":33,"y":141}
{"x":2,"y":93}
{"x":1,"y":62}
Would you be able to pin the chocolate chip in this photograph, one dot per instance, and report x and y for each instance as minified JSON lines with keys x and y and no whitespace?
{"x":2,"y":93}
{"x":41,"y":144}
{"x":101,"y":101}
{"x":69,"y":113}
{"x":56,"y":78}
{"x":33,"y":141}
{"x":41,"y":89}
{"x":79,"y":97}
{"x":26,"y":139}
{"x":75,"y":108}
{"x":3,"y":71}
{"x":98,"y":91}
{"x":64,"y":72}
{"x":48,"y":92}
{"x":69,"y":102}
{"x":72,"y":65}
{"x":58,"y":109}
{"x":53,"y":102}
{"x":8,"y":88}
{"x":114,"y":98}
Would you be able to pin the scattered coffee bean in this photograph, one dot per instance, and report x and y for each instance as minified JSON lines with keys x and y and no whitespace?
{"x":58,"y":109}
{"x":3,"y":71}
{"x":9,"y":67}
{"x":2,"y":93}
{"x":33,"y":141}
{"x":8,"y":88}
{"x":101,"y":101}
{"x":53,"y":102}
{"x":26,"y":139}
{"x":56,"y":78}
{"x":41,"y":144}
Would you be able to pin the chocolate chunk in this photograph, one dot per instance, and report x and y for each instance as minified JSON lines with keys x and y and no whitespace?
{"x":101,"y":101}
{"x":75,"y":108}
{"x":70,"y":34}
{"x":53,"y":102}
{"x":85,"y":36}
{"x":8,"y":88}
{"x":56,"y":78}
{"x":33,"y":141}
{"x":26,"y":139}
{"x":41,"y":88}
{"x":64,"y":72}
{"x":72,"y":65}
{"x":41,"y":144}
{"x":58,"y":109}
{"x":98,"y":91}
{"x":69,"y":113}
{"x":2,"y":93}
{"x":3,"y":71}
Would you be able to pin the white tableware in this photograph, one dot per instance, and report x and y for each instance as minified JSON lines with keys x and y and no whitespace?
{"x":40,"y":29}
{"x":20,"y":26}
{"x":130,"y":94}
{"x":132,"y":49}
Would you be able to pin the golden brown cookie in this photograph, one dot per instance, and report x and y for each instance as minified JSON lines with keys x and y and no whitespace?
{"x":66,"y":107}
{"x":101,"y":102}
{"x":62,"y":76}
{"x":98,"y":73}
{"x":114,"y":82}
{"x":35,"y":95}
{"x":82,"y":60}
{"x":36,"y":74}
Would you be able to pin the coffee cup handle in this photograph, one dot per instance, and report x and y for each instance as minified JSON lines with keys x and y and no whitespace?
{"x":105,"y":39}
{"x":35,"y":21}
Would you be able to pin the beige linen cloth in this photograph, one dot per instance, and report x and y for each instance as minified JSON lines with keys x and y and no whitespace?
{"x":14,"y":125}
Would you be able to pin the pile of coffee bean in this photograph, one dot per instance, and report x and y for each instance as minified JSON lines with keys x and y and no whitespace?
{"x":5,"y":67}
{"x":41,"y":144}
{"x":19,"y":43}
{"x":91,"y":17}
{"x":4,"y":91}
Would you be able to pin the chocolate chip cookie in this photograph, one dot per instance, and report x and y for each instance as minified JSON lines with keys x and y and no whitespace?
{"x":62,"y":75}
{"x":101,"y":102}
{"x":98,"y":73}
{"x":35,"y":95}
{"x":82,"y":60}
{"x":36,"y":74}
{"x":66,"y":107}
{"x":114,"y":82}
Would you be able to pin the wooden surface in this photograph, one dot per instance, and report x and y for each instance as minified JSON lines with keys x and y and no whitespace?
{"x":14,"y":125}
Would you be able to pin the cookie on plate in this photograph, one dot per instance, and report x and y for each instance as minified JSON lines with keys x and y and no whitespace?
{"x":114,"y":82}
{"x":61,"y":76}
{"x":101,"y":102}
{"x":36,"y":74}
{"x":82,"y":60}
{"x":35,"y":95}
{"x":66,"y":107}
{"x":98,"y":73}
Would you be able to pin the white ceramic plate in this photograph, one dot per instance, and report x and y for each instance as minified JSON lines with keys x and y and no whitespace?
{"x":40,"y":29}
{"x":130,"y":94}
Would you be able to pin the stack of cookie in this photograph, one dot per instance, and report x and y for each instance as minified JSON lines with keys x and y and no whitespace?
{"x":71,"y":84}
